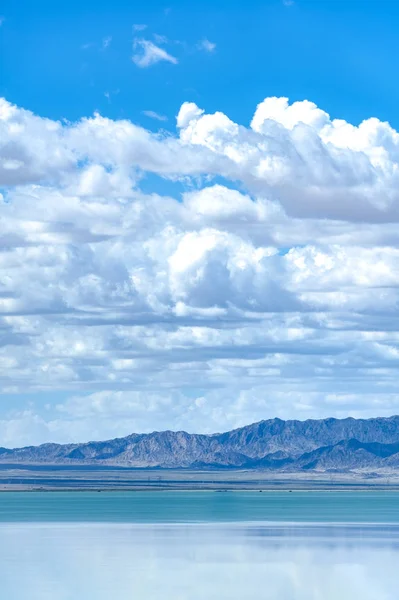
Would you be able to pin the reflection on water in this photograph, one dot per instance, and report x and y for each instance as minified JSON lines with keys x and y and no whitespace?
{"x":48,"y":561}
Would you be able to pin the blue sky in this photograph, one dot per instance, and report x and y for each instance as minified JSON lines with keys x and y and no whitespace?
{"x":235,"y":264}
{"x":341,"y":54}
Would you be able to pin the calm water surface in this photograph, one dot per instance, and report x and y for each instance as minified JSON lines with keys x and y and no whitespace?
{"x":96,"y":546}
{"x":166,"y":507}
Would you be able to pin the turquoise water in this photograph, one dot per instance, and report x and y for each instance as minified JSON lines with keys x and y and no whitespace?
{"x":180,"y":507}
{"x":199,"y":546}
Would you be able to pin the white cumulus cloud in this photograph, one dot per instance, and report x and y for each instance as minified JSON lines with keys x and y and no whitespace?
{"x":266,"y":284}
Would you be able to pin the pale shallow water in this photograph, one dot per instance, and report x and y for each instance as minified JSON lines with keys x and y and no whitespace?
{"x":193,"y":556}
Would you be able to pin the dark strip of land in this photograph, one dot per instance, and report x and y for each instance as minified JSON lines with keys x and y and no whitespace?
{"x":49,"y":478}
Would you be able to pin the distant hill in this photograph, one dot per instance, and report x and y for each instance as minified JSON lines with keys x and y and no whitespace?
{"x":328,"y":444}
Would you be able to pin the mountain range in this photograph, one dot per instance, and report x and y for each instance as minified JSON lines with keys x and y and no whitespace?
{"x":322,"y":445}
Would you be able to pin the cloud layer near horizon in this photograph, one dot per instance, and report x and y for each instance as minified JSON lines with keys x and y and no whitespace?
{"x":266,"y":286}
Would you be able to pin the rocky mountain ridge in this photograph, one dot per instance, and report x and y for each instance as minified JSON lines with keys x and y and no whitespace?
{"x":327,"y":444}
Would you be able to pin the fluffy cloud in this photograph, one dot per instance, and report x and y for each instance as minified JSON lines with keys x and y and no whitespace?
{"x":267,"y":286}
{"x":31,"y":148}
{"x":293,"y":154}
{"x":315,"y":166}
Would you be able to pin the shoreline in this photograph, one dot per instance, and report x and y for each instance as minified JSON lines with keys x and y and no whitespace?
{"x":235,"y":490}
{"x":54,"y":478}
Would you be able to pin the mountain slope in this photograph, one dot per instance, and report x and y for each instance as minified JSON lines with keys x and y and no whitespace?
{"x":273,"y":444}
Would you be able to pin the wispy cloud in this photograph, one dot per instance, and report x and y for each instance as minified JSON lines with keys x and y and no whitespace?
{"x":288,"y":2}
{"x":139,"y":27}
{"x":2,"y":19}
{"x":160,"y":39}
{"x":106,"y":42}
{"x":109,"y":94}
{"x":147,"y":54}
{"x":206,"y":45}
{"x":154,"y":115}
